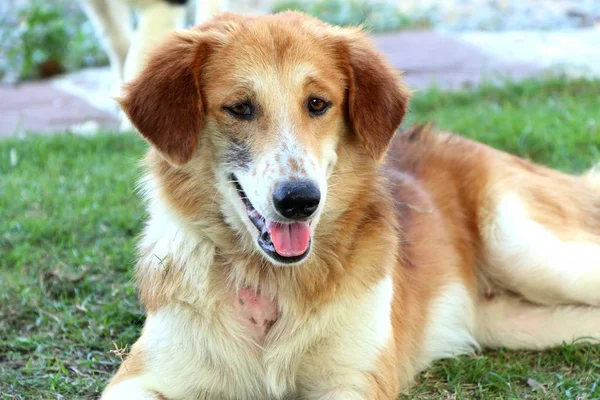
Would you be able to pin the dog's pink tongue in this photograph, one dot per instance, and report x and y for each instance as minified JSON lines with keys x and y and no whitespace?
{"x":290,"y":240}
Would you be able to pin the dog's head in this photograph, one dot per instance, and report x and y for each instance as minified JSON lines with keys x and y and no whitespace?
{"x":275,"y":99}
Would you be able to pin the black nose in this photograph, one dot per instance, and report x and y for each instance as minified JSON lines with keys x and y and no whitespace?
{"x":296,"y":199}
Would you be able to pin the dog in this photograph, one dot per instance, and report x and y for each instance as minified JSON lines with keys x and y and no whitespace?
{"x":297,"y":247}
{"x":125,"y":46}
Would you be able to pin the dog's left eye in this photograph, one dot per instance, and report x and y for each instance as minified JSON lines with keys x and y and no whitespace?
{"x":317,"y":106}
{"x":241,"y":110}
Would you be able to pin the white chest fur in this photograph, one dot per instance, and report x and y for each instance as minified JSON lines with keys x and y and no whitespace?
{"x":196,"y":346}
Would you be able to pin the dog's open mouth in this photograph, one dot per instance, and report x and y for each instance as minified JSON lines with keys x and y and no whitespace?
{"x":284,"y":242}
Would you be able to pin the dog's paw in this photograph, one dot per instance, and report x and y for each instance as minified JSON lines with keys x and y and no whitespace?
{"x":130,"y":390}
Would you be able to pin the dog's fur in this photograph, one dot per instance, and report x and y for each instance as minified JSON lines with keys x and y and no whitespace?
{"x":446,"y":246}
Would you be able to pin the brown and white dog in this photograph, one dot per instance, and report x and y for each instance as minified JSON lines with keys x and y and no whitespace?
{"x":286,"y":257}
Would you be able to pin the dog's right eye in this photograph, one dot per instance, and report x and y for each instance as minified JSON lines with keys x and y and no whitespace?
{"x":241,"y":110}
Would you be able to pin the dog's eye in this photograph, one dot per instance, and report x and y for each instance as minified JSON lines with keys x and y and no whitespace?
{"x":241,"y":110}
{"x":317,"y":106}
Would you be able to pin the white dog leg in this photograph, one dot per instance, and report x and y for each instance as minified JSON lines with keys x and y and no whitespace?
{"x":112,"y":22}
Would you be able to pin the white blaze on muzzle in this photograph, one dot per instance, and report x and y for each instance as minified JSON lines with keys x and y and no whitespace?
{"x":283,"y":193}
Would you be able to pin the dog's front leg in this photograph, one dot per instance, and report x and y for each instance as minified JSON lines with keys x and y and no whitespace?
{"x":331,"y":380}
{"x":357,"y":361}
{"x":166,"y":362}
{"x":132,"y":389}
{"x":131,"y":381}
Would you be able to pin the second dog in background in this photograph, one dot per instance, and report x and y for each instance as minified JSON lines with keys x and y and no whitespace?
{"x":125,"y":44}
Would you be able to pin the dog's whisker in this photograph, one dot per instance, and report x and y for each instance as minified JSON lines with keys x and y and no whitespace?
{"x":214,"y":199}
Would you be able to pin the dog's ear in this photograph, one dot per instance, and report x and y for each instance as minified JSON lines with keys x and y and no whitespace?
{"x":377,"y":98}
{"x":164,"y":101}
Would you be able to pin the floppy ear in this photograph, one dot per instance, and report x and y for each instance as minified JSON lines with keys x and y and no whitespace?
{"x":377,"y":99}
{"x":164,"y":101}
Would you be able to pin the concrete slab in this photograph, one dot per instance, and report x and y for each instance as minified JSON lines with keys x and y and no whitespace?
{"x":431,"y":58}
{"x":575,"y":52}
{"x":91,"y":84}
{"x":39,"y":107}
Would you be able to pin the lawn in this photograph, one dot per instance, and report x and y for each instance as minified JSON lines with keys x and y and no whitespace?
{"x":69,"y":218}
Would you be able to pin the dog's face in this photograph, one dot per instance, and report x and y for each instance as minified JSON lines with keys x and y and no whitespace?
{"x":275,"y":98}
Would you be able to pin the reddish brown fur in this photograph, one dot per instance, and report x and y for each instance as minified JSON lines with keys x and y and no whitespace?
{"x":373,"y":78}
{"x":173,"y":99}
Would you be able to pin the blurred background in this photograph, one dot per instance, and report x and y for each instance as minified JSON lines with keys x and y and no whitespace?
{"x":447,"y":43}
{"x":520,"y":75}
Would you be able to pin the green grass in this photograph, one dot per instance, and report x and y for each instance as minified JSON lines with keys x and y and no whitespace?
{"x":69,"y":218}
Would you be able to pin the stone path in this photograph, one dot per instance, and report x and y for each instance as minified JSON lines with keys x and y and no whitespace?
{"x":428,"y":58}
{"x":43,"y":108}
{"x":81,"y":101}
